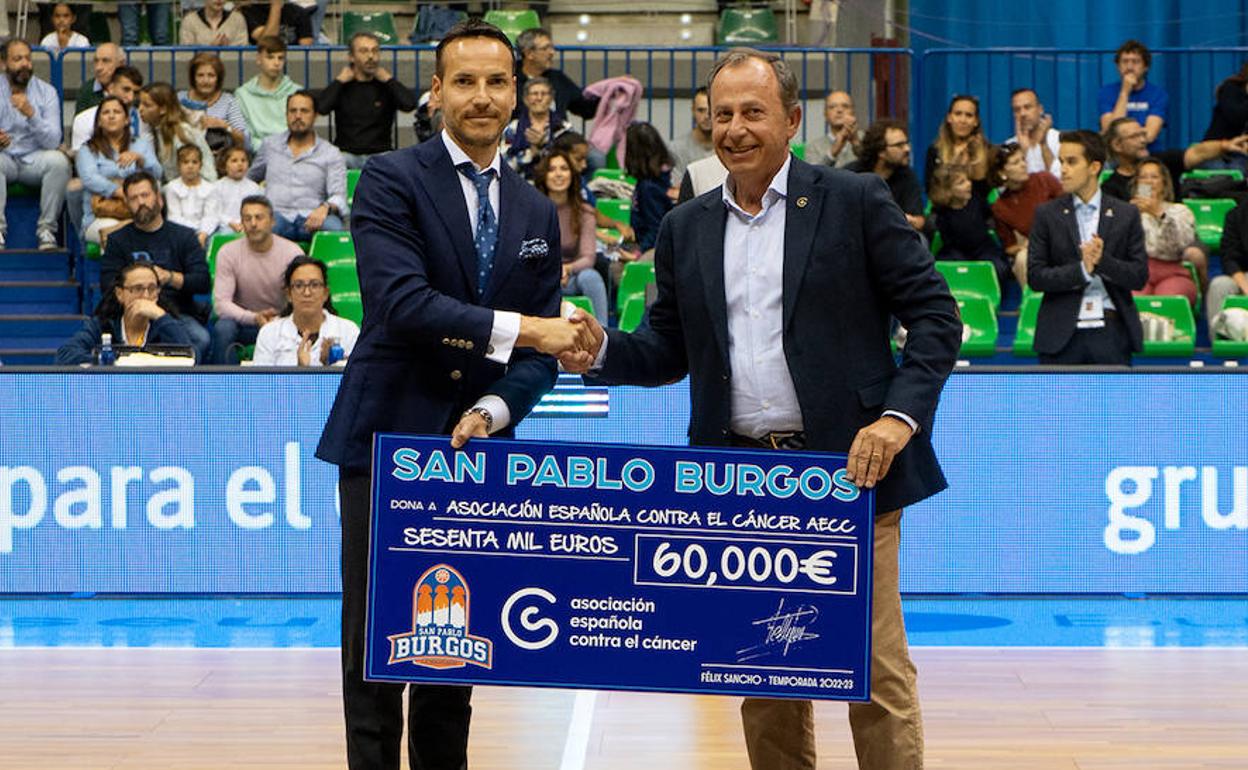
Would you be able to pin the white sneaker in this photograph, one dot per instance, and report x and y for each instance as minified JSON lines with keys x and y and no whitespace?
{"x":47,"y":241}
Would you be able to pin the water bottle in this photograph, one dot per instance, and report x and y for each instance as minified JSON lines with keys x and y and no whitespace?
{"x":335,"y":354}
{"x":108,"y":356}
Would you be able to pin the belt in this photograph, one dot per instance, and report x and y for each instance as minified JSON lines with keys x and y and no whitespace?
{"x":791,"y":439}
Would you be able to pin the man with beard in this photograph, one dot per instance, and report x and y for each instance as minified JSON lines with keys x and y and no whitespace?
{"x":172,"y":248}
{"x":696,"y":144}
{"x":886,"y":153}
{"x":364,"y":98}
{"x":30,"y":131}
{"x":306,"y":176}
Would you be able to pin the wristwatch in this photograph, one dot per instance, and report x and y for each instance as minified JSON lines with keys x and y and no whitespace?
{"x":485,"y":415}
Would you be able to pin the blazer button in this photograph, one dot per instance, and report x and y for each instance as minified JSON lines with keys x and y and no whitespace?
{"x":468,"y":344}
{"x":725,"y":432}
{"x":726,"y":376}
{"x":446,"y":341}
{"x":456,"y":374}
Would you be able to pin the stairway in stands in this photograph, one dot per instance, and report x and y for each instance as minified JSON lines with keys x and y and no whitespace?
{"x":39,"y":305}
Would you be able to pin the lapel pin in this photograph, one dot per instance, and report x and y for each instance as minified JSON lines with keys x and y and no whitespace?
{"x":1109,"y":212}
{"x":802,"y":201}
{"x":1065,"y":211}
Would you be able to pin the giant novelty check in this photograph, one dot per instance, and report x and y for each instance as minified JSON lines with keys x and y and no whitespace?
{"x":619,"y":567}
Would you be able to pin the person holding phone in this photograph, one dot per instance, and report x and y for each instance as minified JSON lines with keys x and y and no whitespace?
{"x":1169,"y":232}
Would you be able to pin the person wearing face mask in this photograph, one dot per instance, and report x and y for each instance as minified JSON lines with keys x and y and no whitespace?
{"x":961,"y":142}
{"x":134,"y":312}
{"x":1015,"y":207}
{"x":308,"y":327}
{"x":364,"y":99}
{"x":531,"y":134}
{"x":1169,"y":232}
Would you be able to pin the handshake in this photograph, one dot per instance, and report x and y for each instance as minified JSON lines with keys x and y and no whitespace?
{"x":574,"y":340}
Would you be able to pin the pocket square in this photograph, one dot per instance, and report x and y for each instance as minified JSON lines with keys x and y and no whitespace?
{"x":534,"y":248}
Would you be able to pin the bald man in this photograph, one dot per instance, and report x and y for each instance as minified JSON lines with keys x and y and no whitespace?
{"x":838,"y":146}
{"x":108,"y":57}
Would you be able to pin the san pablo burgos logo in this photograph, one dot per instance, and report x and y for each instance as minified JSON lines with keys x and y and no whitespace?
{"x":439,"y":637}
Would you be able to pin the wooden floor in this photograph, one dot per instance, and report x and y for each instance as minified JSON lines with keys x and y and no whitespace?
{"x":985,"y":708}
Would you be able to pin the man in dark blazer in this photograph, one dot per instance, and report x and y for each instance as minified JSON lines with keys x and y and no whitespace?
{"x":460,"y":318}
{"x":1086,"y":254}
{"x":775,"y":296}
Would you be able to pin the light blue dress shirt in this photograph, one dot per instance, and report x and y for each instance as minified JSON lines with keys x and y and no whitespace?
{"x":41,"y":131}
{"x":1088,"y":215}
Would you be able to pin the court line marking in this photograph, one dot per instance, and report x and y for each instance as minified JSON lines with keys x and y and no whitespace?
{"x":576,"y":746}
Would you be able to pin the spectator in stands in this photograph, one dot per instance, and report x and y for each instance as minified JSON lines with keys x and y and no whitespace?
{"x":108,"y":157}
{"x":315,"y":11}
{"x":649,"y":162}
{"x":134,"y":311}
{"x":886,"y":153}
{"x":214,"y":25}
{"x":696,"y":144}
{"x":263,"y":98}
{"x":1234,"y":252}
{"x":1128,"y":145}
{"x":1169,"y":232}
{"x":961,"y":142}
{"x":173,"y":249}
{"x":190,"y":199}
{"x":107,"y":58}
{"x":963,"y":218}
{"x":555,"y":177}
{"x":531,"y":134}
{"x":364,"y":99}
{"x":308,"y":327}
{"x":63,"y":34}
{"x":1014,"y":210}
{"x":286,"y":21}
{"x":1230,"y":112}
{"x":124,"y":85}
{"x":537,"y":57}
{"x":232,"y":188}
{"x":1133,"y":96}
{"x":248,"y":286}
{"x":576,"y":147}
{"x":1034,"y":133}
{"x":159,"y":108}
{"x":30,"y":114}
{"x":222,"y":119}
{"x":157,"y":22}
{"x":701,"y":176}
{"x":838,"y":145}
{"x":305,"y":177}
{"x":1087,"y":315}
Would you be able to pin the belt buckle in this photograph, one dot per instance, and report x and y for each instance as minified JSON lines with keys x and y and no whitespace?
{"x":774,"y":438}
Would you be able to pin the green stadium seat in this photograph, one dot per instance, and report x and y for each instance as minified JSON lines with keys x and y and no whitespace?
{"x":747,"y":26}
{"x":798,"y":149}
{"x":612,"y":160}
{"x":380,"y":24}
{"x":1207,"y":173}
{"x":619,"y":209}
{"x":353,"y":179}
{"x":348,"y":305}
{"x":94,"y":252}
{"x":1210,"y":213}
{"x":580,"y":301}
{"x":617,"y":174}
{"x":1106,"y":174}
{"x":332,"y":246}
{"x":1177,"y":308}
{"x":633,"y":282}
{"x":1232,"y":348}
{"x":631,"y":313}
{"x":97,"y":29}
{"x":971,"y":279}
{"x":1025,"y":335}
{"x":343,"y":277}
{"x":512,"y":23}
{"x":214,"y":245}
{"x":978,"y":314}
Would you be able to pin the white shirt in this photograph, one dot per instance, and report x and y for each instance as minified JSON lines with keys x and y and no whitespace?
{"x":277,"y":344}
{"x":1035,"y":155}
{"x":195,"y":207}
{"x":506,"y":328}
{"x":76,"y":40}
{"x":1088,"y":216}
{"x":229,"y":194}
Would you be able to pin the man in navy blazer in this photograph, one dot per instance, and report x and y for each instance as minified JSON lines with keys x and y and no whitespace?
{"x":460,"y":321}
{"x":775,"y":295}
{"x":1086,"y":253}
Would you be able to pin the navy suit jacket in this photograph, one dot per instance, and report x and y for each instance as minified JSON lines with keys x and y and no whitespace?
{"x":420,"y":359}
{"x":1054,"y":267}
{"x":851,"y":262}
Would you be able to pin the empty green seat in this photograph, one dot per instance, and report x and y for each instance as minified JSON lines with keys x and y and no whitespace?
{"x":798,"y":149}
{"x":617,"y":174}
{"x":94,"y":252}
{"x":1207,"y":173}
{"x":580,"y":301}
{"x":512,"y":23}
{"x":214,"y":246}
{"x":1180,"y":311}
{"x":747,"y":26}
{"x":353,"y":178}
{"x":1210,"y":213}
{"x":379,"y":24}
{"x":343,"y":277}
{"x":1232,"y":348}
{"x":979,"y":316}
{"x":619,"y":209}
{"x":348,"y":305}
{"x":971,"y":279}
{"x":631,"y":312}
{"x":332,"y":246}
{"x":633,"y":282}
{"x":1025,"y":334}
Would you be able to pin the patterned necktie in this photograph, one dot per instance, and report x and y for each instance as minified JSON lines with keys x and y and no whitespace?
{"x":487,"y":225}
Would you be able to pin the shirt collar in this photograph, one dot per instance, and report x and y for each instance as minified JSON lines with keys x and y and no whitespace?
{"x":778,"y":189}
{"x":1092,"y":205}
{"x":459,"y":157}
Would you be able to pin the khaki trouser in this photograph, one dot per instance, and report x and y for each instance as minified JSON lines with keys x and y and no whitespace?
{"x":888,"y":731}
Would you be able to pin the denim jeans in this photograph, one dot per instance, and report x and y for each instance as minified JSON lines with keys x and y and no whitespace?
{"x":293,"y":229}
{"x":589,"y":283}
{"x":227,"y":336}
{"x":157,"y":23}
{"x":199,"y":338}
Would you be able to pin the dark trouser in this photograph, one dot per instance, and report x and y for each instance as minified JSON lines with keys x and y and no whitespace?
{"x":437,"y":718}
{"x":1108,"y":346}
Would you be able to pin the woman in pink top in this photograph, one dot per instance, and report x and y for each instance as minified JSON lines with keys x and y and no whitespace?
{"x":555,"y":177}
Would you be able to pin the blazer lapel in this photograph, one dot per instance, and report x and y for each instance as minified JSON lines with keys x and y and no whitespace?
{"x":801,"y":223}
{"x":1072,"y":222}
{"x":511,"y":220}
{"x":448,"y":201}
{"x":710,"y":249}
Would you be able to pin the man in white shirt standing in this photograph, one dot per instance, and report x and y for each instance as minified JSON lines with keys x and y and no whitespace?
{"x":1034,"y":132}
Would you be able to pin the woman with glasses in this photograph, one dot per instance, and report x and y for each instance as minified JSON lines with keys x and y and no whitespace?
{"x":961,"y":142}
{"x":133,"y":312}
{"x":307,"y":328}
